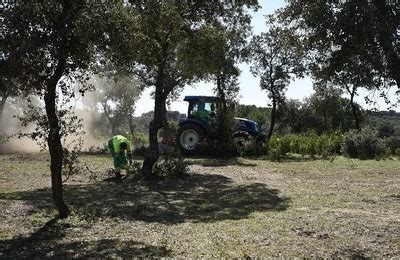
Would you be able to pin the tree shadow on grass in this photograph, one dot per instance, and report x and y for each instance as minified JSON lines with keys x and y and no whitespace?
{"x":199,"y":198}
{"x":46,"y":242}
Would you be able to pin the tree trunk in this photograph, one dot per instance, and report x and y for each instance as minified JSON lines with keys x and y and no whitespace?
{"x":355,"y":112}
{"x":107,"y":112}
{"x":273,"y":118}
{"x":156,"y":124}
{"x":221,"y":93}
{"x":131,"y":125}
{"x":160,"y":116}
{"x":55,"y":148}
{"x":4,"y":97}
{"x":113,"y":129}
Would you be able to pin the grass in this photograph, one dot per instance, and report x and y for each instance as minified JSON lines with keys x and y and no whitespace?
{"x":234,"y":208}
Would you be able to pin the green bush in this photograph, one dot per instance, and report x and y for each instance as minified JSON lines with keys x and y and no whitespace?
{"x":311,"y":145}
{"x":252,"y":148}
{"x":275,"y":151}
{"x":139,"y":139}
{"x":364,"y":144}
{"x":393,"y":144}
{"x":172,"y":165}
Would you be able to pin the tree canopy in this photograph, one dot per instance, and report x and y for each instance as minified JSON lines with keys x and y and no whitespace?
{"x":349,"y":37}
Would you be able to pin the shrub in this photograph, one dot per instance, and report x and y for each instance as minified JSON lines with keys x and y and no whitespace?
{"x":275,"y":151}
{"x":364,"y":144}
{"x":172,"y":165}
{"x":329,"y":144}
{"x":72,"y":165}
{"x":253,"y":148}
{"x":325,"y":145}
{"x":386,"y":130}
{"x":393,"y":144}
{"x":139,"y":139}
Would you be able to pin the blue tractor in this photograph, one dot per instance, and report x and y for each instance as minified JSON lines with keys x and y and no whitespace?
{"x":201,"y":124}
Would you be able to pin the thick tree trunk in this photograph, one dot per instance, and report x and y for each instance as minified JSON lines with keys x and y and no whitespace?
{"x":55,"y":148}
{"x":273,"y":119}
{"x":160,"y":116}
{"x":221,"y":93}
{"x":156,"y":124}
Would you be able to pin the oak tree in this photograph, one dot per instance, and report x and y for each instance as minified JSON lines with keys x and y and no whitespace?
{"x":53,"y":44}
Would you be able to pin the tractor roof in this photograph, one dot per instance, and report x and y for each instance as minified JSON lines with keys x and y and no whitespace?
{"x":200,"y":98}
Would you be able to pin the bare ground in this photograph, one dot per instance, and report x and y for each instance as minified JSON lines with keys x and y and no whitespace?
{"x":232,"y":208}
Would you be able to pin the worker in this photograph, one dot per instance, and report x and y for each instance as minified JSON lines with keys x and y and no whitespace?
{"x":118,"y":146}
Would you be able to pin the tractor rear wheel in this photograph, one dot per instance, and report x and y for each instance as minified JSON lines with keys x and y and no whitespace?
{"x":189,"y":137}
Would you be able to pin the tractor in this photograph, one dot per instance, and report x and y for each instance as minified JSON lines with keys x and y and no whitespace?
{"x":200,"y":124}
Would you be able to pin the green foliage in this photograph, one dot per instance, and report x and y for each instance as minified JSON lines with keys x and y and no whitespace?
{"x":170,"y":131}
{"x":393,"y":144}
{"x":357,"y":50}
{"x":311,"y":145}
{"x":301,"y":117}
{"x":139,"y":139}
{"x":386,"y":130}
{"x":364,"y":144}
{"x":223,"y":126}
{"x":172,"y":165}
{"x":257,"y":114}
{"x":253,"y":149}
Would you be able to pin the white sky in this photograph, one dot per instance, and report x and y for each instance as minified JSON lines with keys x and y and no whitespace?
{"x":250,"y":92}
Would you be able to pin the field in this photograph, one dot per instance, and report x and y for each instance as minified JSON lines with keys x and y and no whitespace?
{"x":234,"y":208}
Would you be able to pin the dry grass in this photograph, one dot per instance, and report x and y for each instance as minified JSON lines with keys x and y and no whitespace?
{"x":234,"y":208}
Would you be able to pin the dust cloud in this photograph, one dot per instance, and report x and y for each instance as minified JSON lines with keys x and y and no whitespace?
{"x":10,"y":126}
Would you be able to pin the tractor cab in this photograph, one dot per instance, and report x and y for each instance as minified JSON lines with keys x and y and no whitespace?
{"x":202,"y":108}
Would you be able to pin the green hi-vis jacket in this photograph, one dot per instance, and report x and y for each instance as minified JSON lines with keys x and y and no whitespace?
{"x":116,"y":142}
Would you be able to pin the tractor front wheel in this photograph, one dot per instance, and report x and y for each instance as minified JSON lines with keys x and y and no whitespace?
{"x":189,"y":137}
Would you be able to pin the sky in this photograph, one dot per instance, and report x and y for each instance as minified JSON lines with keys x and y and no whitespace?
{"x":250,"y":92}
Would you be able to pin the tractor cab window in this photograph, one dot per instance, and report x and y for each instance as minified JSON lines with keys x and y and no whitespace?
{"x":210,"y":107}
{"x":194,"y":108}
{"x":201,"y":106}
